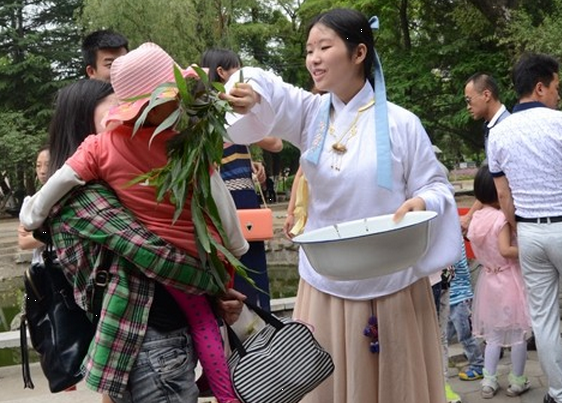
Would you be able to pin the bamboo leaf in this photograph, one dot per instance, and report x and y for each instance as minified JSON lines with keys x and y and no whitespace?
{"x":180,"y":82}
{"x":197,"y":148}
{"x":168,"y":123}
{"x":203,"y":236}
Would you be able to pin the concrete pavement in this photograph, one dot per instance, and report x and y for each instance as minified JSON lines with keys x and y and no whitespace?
{"x":11,"y":389}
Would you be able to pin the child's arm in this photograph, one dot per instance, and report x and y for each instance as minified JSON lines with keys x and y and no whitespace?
{"x":237,"y":245}
{"x":26,"y":239}
{"x":36,"y":209}
{"x":507,"y":250}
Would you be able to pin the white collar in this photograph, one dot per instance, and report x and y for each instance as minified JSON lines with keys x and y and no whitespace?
{"x":494,"y":120}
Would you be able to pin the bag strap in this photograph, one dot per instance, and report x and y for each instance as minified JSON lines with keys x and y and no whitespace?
{"x":267,"y":317}
{"x":25,"y":371}
{"x":101,"y":281}
{"x":258,"y":185}
{"x":102,"y":275}
{"x":255,"y":178}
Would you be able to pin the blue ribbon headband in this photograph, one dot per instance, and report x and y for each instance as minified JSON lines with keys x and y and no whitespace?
{"x":384,"y":155}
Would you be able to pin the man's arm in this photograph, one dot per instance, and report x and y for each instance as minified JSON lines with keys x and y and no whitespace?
{"x":505,"y":199}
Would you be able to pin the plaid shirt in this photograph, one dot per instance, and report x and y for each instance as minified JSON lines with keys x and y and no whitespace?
{"x":83,"y":225}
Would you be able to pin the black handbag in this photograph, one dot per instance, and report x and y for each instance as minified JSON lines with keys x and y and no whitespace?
{"x":60,"y":331}
{"x":279,"y":364}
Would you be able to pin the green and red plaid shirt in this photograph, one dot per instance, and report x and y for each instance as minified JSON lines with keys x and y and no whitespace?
{"x":89,"y":220}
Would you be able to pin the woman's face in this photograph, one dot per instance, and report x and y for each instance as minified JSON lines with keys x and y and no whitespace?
{"x":101,"y":110}
{"x":331,"y":66}
{"x":42,"y":166}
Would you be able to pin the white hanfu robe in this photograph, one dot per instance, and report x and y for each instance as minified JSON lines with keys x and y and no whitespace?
{"x":344,"y":187}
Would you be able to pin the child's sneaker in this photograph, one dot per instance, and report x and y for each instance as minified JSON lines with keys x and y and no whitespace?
{"x":471,"y":374}
{"x":517,"y":385}
{"x":489,"y":385}
{"x":452,"y":397}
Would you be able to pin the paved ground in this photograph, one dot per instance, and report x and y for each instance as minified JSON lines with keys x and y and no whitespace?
{"x":12,"y":391}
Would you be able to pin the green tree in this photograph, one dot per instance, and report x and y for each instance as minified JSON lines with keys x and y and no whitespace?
{"x":172,"y":25}
{"x":38,"y":44}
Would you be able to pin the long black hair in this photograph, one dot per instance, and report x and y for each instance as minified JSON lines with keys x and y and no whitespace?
{"x":215,"y":58}
{"x":73,"y":118}
{"x":354,"y":29}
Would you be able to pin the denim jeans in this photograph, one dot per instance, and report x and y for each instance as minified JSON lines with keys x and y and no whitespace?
{"x":459,"y":323}
{"x":164,"y":370}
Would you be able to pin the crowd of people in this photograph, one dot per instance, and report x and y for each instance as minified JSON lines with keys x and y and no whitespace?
{"x":361,"y":156}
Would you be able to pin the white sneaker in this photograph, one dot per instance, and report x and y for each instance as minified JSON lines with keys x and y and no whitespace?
{"x":517,"y":385}
{"x":489,"y":385}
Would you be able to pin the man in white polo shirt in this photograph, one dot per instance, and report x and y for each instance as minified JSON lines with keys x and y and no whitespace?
{"x":482,"y":97}
{"x":524,"y":155}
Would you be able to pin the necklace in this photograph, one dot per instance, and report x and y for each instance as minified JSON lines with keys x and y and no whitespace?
{"x":339,"y":147}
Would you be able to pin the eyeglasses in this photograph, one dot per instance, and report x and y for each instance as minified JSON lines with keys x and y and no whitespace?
{"x":468,"y":100}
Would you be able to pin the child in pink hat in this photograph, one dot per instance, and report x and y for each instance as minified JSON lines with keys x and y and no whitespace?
{"x":117,"y":157}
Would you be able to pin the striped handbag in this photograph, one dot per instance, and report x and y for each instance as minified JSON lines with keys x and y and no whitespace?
{"x":279,"y":364}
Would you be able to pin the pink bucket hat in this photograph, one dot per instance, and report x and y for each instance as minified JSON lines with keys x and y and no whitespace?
{"x":138,"y":74}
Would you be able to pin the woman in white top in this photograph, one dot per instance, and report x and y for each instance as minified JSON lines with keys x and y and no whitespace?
{"x":358,"y":164}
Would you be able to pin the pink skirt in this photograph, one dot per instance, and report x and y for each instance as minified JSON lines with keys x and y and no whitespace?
{"x":408,"y":368}
{"x":500,"y":313}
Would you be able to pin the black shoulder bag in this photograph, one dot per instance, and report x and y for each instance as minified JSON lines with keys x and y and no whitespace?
{"x":60,"y":331}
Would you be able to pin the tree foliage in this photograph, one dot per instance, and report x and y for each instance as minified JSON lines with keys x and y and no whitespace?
{"x":428,"y":48}
{"x":38,"y":52}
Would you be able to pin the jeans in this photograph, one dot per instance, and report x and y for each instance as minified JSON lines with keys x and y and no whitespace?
{"x":459,"y":323}
{"x":164,"y":370}
{"x":540,"y":256}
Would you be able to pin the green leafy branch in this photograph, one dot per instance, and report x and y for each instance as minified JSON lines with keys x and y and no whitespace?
{"x":192,"y":154}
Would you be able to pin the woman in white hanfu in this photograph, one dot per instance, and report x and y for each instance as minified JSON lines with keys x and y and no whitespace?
{"x":362,"y":157}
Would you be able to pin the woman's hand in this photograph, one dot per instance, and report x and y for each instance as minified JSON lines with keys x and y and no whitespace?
{"x":288,"y":225}
{"x":242,"y":98}
{"x":413,"y":204}
{"x":259,"y":170}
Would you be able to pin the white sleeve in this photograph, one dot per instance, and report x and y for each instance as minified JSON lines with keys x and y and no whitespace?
{"x":426,"y":179}
{"x":35,"y":210}
{"x":237,"y":245}
{"x":284,"y":111}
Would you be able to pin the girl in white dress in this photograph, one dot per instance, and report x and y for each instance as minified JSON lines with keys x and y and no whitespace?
{"x":362,"y":157}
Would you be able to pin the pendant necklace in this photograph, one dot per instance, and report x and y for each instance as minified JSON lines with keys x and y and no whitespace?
{"x":339,"y":147}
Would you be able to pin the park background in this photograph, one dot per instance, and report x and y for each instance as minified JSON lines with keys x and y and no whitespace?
{"x":428,"y":49}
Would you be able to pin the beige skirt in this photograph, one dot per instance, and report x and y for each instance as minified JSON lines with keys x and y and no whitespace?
{"x":408,"y":368}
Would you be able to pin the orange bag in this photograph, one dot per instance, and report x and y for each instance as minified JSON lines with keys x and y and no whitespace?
{"x":257,"y":224}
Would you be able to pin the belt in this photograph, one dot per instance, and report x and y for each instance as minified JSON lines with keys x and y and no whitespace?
{"x":539,"y":220}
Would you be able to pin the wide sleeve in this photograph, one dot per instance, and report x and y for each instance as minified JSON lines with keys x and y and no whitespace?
{"x":426,"y":179}
{"x":284,"y":111}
